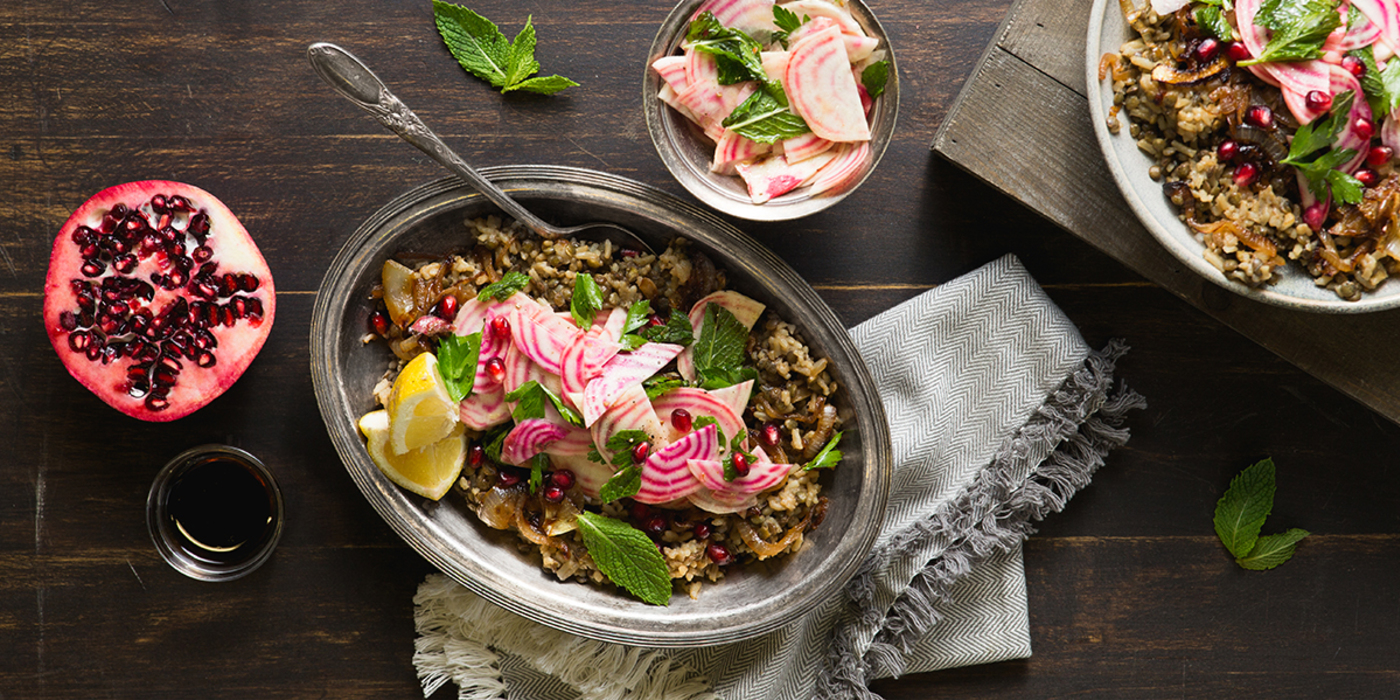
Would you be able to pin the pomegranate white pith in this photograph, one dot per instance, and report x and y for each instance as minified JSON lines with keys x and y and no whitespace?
{"x":157,"y":299}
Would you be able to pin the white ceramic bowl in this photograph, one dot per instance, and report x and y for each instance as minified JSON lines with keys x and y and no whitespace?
{"x":1295,"y":289}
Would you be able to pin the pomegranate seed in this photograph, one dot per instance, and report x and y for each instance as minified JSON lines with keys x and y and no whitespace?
{"x":770,"y":434}
{"x":563,"y":478}
{"x":1315,"y":215}
{"x":1207,"y":50}
{"x":379,"y":322}
{"x":1318,"y":100}
{"x":1236,"y":51}
{"x":158,"y":202}
{"x":719,"y":554}
{"x":1354,"y":65}
{"x":475,"y":455}
{"x":741,"y":464}
{"x":1367,"y":177}
{"x":681,"y":420}
{"x":640,"y":511}
{"x":1363,"y":127}
{"x":501,"y":327}
{"x":553,"y":494}
{"x":177,"y":203}
{"x":655,"y":320}
{"x":507,"y":478}
{"x":655,"y":525}
{"x":496,"y":367}
{"x":701,"y":530}
{"x":1379,"y":155}
{"x":1259,"y":116}
{"x":1246,"y":174}
{"x":639,"y":452}
{"x":1228,"y":150}
{"x":446,"y":308}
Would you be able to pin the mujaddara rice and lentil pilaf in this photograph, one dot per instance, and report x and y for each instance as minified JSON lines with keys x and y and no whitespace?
{"x":788,"y":417}
{"x":1273,"y":131}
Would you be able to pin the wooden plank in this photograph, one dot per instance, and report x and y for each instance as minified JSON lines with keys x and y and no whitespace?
{"x":1050,"y":36}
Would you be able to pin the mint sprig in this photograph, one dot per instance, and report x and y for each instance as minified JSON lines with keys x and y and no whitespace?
{"x":765,"y":117}
{"x":478,"y":44}
{"x":1210,"y":16}
{"x":1240,"y":515}
{"x":828,"y":457}
{"x":719,"y":351}
{"x":656,"y":386}
{"x":509,"y":284}
{"x":457,"y":356}
{"x":627,"y":557}
{"x":1299,"y":28}
{"x":737,"y":55}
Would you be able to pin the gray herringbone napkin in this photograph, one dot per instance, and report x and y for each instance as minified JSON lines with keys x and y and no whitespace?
{"x":999,"y":413}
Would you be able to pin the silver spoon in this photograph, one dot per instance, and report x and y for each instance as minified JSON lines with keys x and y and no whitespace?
{"x":353,"y":79}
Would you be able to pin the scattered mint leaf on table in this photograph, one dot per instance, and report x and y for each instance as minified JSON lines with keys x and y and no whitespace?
{"x":1240,"y":515}
{"x":485,"y":52}
{"x":457,"y":357}
{"x":627,"y":557}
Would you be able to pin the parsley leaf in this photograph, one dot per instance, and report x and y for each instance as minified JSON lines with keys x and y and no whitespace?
{"x":627,"y":557}
{"x":1299,"y":29}
{"x":622,"y":443}
{"x":587,"y":300}
{"x":731,"y":472}
{"x":530,"y":398}
{"x":624,"y":484}
{"x":538,"y":464}
{"x":493,"y":441}
{"x":656,"y":386}
{"x":1240,"y":515}
{"x":637,"y":316}
{"x":1318,"y":167}
{"x":829,"y":456}
{"x":875,"y":77}
{"x":1381,"y":87}
{"x":457,"y":357}
{"x":677,"y":330}
{"x":509,"y":284}
{"x":719,"y":351}
{"x":1210,"y":18}
{"x":483,"y":51}
{"x":765,"y":117}
{"x":738,"y":55}
{"x":702,"y":421}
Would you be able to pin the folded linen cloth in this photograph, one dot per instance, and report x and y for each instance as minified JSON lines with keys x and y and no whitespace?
{"x":999,"y":412}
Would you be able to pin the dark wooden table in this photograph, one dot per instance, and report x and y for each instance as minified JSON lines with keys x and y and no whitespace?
{"x":1130,"y":593}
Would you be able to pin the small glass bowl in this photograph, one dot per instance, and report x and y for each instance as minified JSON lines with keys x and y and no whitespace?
{"x":687,"y":153}
{"x":222,"y":475}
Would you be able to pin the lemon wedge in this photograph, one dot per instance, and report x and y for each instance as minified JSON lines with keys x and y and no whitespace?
{"x":421,"y":412}
{"x":428,"y":471}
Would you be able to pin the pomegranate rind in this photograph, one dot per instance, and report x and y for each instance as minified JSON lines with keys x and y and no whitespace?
{"x":237,"y":345}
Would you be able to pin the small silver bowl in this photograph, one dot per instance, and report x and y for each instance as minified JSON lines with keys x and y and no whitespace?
{"x":751,"y":601}
{"x":687,"y":152}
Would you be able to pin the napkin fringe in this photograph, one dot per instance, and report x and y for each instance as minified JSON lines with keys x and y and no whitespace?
{"x":1079,"y":423}
{"x":458,"y":631}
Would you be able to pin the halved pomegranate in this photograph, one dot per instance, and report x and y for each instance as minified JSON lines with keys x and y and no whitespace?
{"x":157,"y":298}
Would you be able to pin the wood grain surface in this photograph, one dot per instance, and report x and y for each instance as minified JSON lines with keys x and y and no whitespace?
{"x":1130,"y":594}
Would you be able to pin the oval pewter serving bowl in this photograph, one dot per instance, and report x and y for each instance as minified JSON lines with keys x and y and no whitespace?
{"x":1295,"y":289}
{"x":748,"y":602}
{"x":687,"y":153}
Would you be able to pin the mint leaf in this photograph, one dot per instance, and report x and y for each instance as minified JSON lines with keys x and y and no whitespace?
{"x":702,"y":421}
{"x":656,"y":386}
{"x":875,"y":77}
{"x":677,"y":330}
{"x":631,"y":341}
{"x":509,"y":284}
{"x":765,"y":117}
{"x":457,"y":357}
{"x":481,"y":49}
{"x":1240,"y":513}
{"x":624,"y":484}
{"x":829,"y":456}
{"x":1271,"y":550}
{"x":492,"y":441}
{"x":1381,"y":87}
{"x":719,"y":351}
{"x":738,"y":55}
{"x":627,"y":557}
{"x":1211,"y":19}
{"x":530,"y":399}
{"x":587,"y":300}
{"x":1299,"y":28}
{"x":637,"y":316}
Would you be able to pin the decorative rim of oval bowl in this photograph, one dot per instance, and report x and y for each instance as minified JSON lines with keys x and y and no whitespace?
{"x":750,"y":602}
{"x":1295,"y":289}
{"x":681,"y":147}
